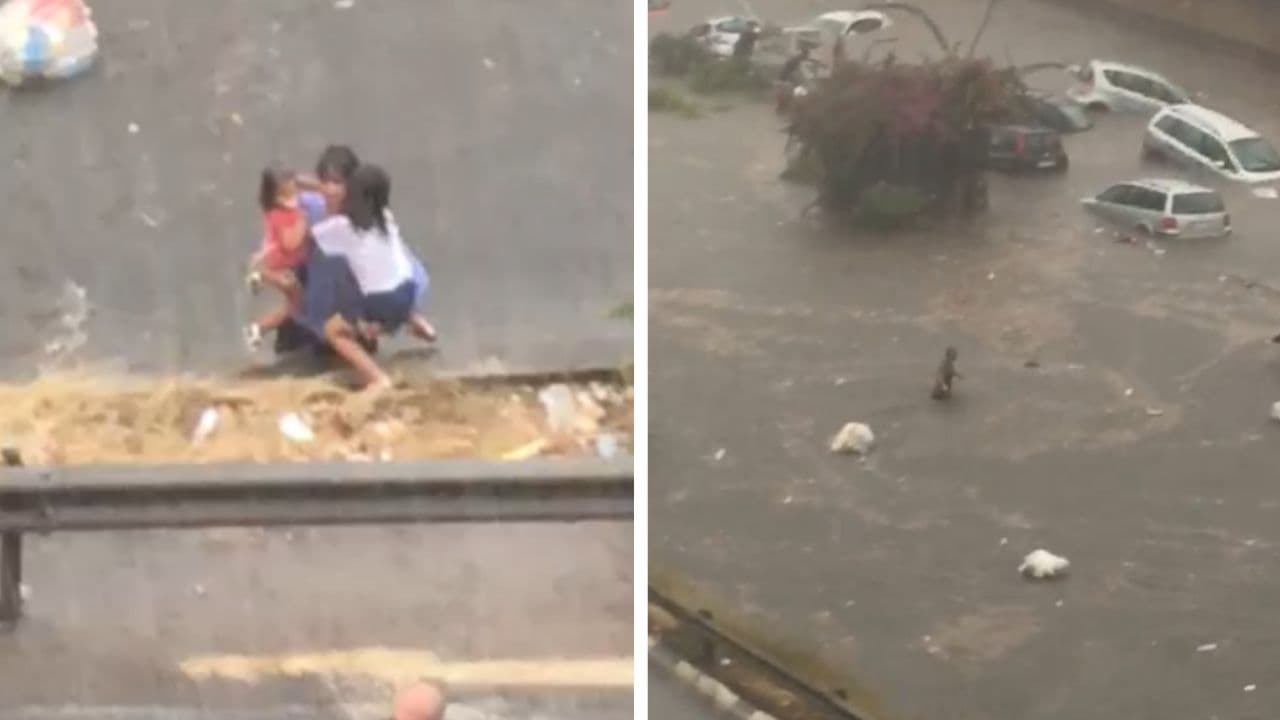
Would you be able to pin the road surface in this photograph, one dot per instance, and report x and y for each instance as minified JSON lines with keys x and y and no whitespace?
{"x":207,"y":623}
{"x":506,"y":129}
{"x":1137,"y":445}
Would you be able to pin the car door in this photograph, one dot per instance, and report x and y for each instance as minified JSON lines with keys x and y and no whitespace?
{"x":1145,"y":208}
{"x":1134,"y":93}
{"x":1183,"y":146}
{"x":1110,"y":204}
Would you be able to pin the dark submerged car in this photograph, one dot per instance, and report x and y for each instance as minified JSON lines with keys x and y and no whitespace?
{"x":1025,"y":147}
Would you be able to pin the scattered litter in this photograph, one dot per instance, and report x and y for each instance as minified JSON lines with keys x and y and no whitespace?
{"x":1099,"y":230}
{"x":206,"y":425}
{"x":237,"y":120}
{"x":991,"y":276}
{"x":490,"y":64}
{"x":134,"y":129}
{"x":198,"y":590}
{"x":1266,"y":193}
{"x":558,"y":401}
{"x":1155,"y":248}
{"x":1041,"y":564}
{"x":1250,"y":688}
{"x":1207,"y":647}
{"x":854,"y":438}
{"x":1031,"y":364}
{"x":1275,"y":411}
{"x":148,"y":220}
{"x":526,"y":451}
{"x":1004,"y":541}
{"x":1128,"y":392}
{"x":385,"y":455}
{"x":24,"y":591}
{"x":344,"y":4}
{"x":1154,"y":412}
{"x":841,"y":381}
{"x":1058,"y":604}
{"x":787,"y":500}
{"x":719,"y":455}
{"x":293,"y":427}
{"x":46,"y":40}
{"x":607,"y":446}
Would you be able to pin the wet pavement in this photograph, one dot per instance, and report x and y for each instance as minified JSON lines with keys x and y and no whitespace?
{"x":670,"y":700}
{"x":1137,"y":443}
{"x":506,"y":129}
{"x":111,"y":619}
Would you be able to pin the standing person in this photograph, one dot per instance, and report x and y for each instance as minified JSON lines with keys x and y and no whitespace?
{"x":792,"y":76}
{"x":281,"y":260}
{"x":420,"y":701}
{"x":367,"y":238}
{"x":746,"y":43}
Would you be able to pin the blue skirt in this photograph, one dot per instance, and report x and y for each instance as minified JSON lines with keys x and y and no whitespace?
{"x":328,"y":289}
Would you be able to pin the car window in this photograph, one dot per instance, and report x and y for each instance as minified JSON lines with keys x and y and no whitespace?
{"x":1115,"y":194}
{"x":1197,"y":203}
{"x":1167,"y":124}
{"x":1166,"y":92}
{"x":1188,"y":134}
{"x":1147,"y":199}
{"x":733,"y":25}
{"x":1211,"y":148}
{"x":1256,"y":155}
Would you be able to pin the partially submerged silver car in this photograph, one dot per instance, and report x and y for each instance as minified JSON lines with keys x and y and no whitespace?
{"x":1158,"y":207}
{"x":1105,"y":85}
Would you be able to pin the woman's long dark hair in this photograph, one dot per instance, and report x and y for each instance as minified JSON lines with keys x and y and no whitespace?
{"x":368,"y":194}
{"x":337,"y":162}
{"x":269,"y":187}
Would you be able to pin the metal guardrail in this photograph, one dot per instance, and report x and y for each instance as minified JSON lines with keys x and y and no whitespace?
{"x":707,"y":646}
{"x":44,"y":500}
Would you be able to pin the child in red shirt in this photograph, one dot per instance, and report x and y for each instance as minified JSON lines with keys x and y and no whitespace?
{"x":284,"y":248}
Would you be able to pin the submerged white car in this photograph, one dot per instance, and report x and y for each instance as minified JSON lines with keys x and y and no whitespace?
{"x":1199,"y":138}
{"x":719,"y":35}
{"x":1105,"y":85}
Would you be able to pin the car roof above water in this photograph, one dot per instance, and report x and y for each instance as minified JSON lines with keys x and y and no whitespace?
{"x":1171,"y":186}
{"x":1122,"y":67}
{"x":1227,"y":129}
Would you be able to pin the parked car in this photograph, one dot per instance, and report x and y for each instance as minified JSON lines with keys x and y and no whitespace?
{"x":1023,"y":147}
{"x":1200,"y":138}
{"x":1108,"y":85}
{"x":1162,"y":207}
{"x":1058,"y":113}
{"x":719,"y":35}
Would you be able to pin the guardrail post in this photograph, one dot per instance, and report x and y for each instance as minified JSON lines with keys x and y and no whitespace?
{"x":10,"y":576}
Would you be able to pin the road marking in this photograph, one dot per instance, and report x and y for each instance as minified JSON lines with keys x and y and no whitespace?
{"x":397,"y":666}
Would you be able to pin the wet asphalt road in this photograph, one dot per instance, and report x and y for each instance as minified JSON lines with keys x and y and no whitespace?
{"x":110,"y":620}
{"x":506,"y":128}
{"x":1139,"y":447}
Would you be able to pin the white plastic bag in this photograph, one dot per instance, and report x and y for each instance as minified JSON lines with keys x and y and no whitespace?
{"x":46,"y":40}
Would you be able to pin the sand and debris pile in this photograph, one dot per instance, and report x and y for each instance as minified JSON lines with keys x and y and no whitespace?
{"x":79,"y":419}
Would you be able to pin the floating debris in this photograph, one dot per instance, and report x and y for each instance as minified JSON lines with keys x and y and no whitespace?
{"x":855,"y":438}
{"x":1042,"y":564}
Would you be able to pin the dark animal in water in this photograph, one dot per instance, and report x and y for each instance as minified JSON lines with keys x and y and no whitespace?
{"x":946,"y":375}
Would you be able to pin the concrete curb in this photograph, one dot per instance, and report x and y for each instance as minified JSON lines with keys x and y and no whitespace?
{"x":721,"y":696}
{"x":1171,"y":25}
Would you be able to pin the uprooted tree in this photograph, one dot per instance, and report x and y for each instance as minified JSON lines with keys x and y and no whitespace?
{"x":888,"y":141}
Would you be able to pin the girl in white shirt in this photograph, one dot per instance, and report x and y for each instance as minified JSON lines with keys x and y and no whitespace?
{"x":367,"y":237}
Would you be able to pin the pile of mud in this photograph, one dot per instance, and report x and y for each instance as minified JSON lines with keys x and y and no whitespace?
{"x":82,"y":419}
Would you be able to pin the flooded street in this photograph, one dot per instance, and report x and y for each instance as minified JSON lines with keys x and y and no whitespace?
{"x":1113,"y":409}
